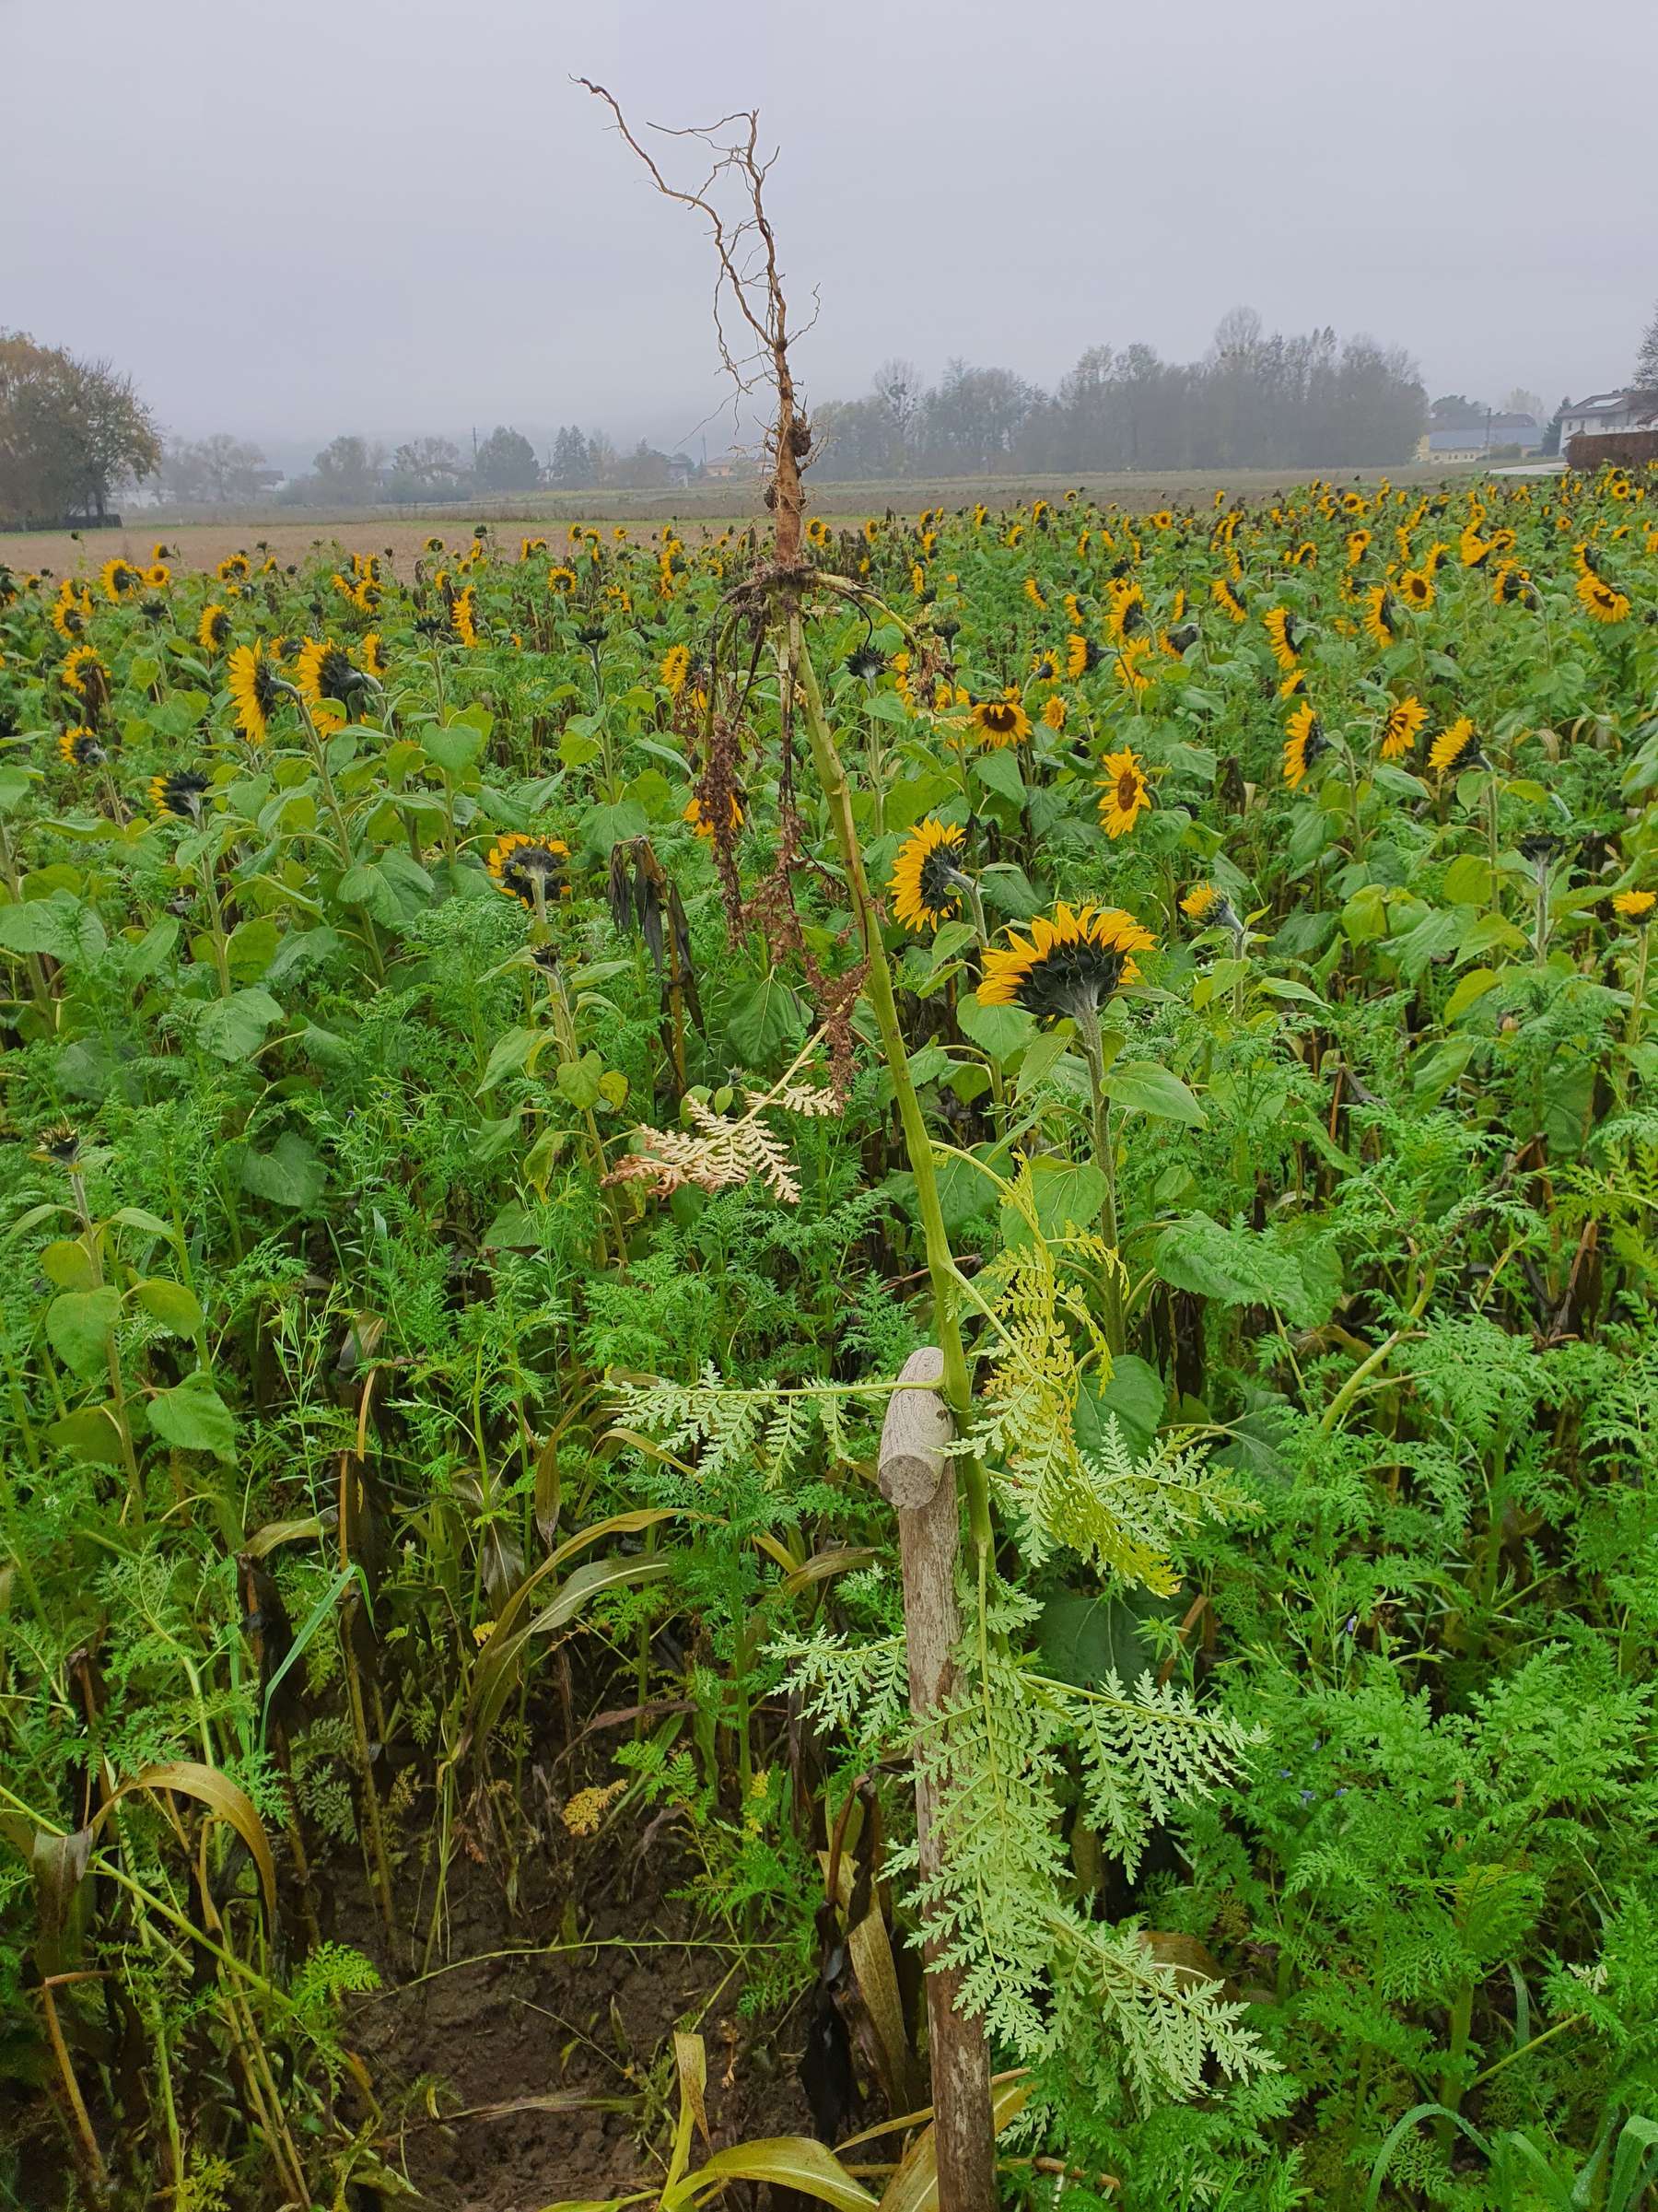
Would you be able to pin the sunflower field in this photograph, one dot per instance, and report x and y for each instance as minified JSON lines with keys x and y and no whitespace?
{"x":505,"y":1066}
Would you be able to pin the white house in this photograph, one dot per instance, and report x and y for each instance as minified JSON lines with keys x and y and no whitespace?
{"x":1604,"y":411}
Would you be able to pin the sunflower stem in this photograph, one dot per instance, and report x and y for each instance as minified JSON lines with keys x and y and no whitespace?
{"x":941,"y":1260}
{"x":1093,"y":1052}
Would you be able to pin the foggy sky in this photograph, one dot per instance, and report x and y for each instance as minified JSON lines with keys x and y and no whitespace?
{"x":293,"y":217}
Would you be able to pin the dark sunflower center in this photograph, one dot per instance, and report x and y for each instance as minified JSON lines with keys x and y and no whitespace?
{"x":1000,"y":719}
{"x":1127,"y":789}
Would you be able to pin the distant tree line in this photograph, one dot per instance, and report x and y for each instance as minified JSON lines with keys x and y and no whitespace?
{"x":1256,"y":400}
{"x":353,"y":472}
{"x":72,"y":432}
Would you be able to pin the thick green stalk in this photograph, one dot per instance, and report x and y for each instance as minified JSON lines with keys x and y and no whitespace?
{"x":941,"y":1259}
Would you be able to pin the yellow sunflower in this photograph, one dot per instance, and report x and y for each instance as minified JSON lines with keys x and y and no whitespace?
{"x":324,"y":671}
{"x":675,"y":668}
{"x":213,"y":632}
{"x":85,"y":674}
{"x":1000,"y":722}
{"x":372,"y":655}
{"x":1286,"y":637}
{"x":1081,"y":655}
{"x":80,"y":748}
{"x":530,"y":869}
{"x":1416,"y":588}
{"x":561,"y":581}
{"x":1070,"y":964}
{"x":1381,"y":615}
{"x":1635,"y":906}
{"x":1229,"y":599}
{"x":120,"y":579}
{"x":253,"y":683}
{"x":1455,"y":748}
{"x":464,"y":615}
{"x":1404,"y":720}
{"x":1603,"y":601}
{"x":697,"y":817}
{"x":1126,"y":796}
{"x":924,"y":891}
{"x":1052,"y":712}
{"x":1203,"y":903}
{"x":1303,"y":742}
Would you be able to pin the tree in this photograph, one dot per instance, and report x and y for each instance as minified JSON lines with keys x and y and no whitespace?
{"x":218,"y":470}
{"x":1457,"y":413}
{"x":506,"y":463}
{"x":71,"y":431}
{"x":427,"y":468}
{"x":1522,"y":402}
{"x":348,"y":471}
{"x":1552,"y":435}
{"x":1646,"y":360}
{"x":572,"y":461}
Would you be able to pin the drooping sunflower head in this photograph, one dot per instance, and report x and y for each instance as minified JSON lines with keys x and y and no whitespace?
{"x":1124,"y":794}
{"x":926,"y":883}
{"x":1081,"y":655}
{"x":254,"y":686}
{"x":324,"y":671}
{"x":1285,"y":633}
{"x":865,"y":662}
{"x":1000,"y":722}
{"x":59,"y":1146}
{"x":213,"y":632}
{"x":1399,"y":733}
{"x":1635,"y":906}
{"x":181,"y":793}
{"x":1603,"y":601}
{"x":1456,"y":748}
{"x":71,"y":611}
{"x":1229,"y":597}
{"x":532,"y":869}
{"x":120,"y":580}
{"x":86,"y":675}
{"x":1304,"y":741}
{"x":1381,"y":615}
{"x":1128,"y":616}
{"x":80,"y":748}
{"x":1070,"y":963}
{"x":675,"y":668}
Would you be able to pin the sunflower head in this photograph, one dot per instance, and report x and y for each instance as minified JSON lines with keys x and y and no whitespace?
{"x":1304,"y":741}
{"x":1044,"y":665}
{"x":532,"y":869}
{"x":1603,"y":601}
{"x":1071,"y":962}
{"x":1081,"y":655}
{"x":59,"y":1145}
{"x":1635,"y":906}
{"x":1000,"y":722}
{"x":1456,"y":748}
{"x":1399,"y":733}
{"x":1206,"y":905}
{"x":324,"y":671}
{"x":1052,"y":712}
{"x":120,"y":580}
{"x":1285,"y":634}
{"x":80,"y":748}
{"x":86,"y":675}
{"x":1416,"y":588}
{"x":1124,"y":794}
{"x":926,"y":883}
{"x":866,"y":662}
{"x":1381,"y":615}
{"x":561,"y":581}
{"x":675,"y":668}
{"x":697,"y":816}
{"x":181,"y":793}
{"x":213,"y":632}
{"x":255,"y":686}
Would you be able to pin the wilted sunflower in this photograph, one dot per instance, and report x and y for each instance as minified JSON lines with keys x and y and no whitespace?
{"x":1404,"y":720}
{"x":1416,"y":588}
{"x":1456,"y":748}
{"x":1635,"y":906}
{"x":60,"y":1145}
{"x":1126,"y":796}
{"x":80,"y":748}
{"x":1000,"y":722}
{"x":85,"y":674}
{"x":865,"y":662}
{"x":1286,"y":637}
{"x":1081,"y":655}
{"x":1070,"y":964}
{"x":213,"y":632}
{"x":1603,"y":601}
{"x":925,"y":880}
{"x":1381,"y":615}
{"x":120,"y":580}
{"x":525,"y":866}
{"x":700,"y":823}
{"x":1304,"y":744}
{"x":675,"y":668}
{"x":180,"y":794}
{"x":253,"y":686}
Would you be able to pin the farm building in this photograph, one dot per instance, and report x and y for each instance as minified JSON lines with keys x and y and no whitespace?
{"x":1604,"y":414}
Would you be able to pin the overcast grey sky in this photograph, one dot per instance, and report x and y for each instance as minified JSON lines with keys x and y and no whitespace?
{"x":290,"y":217}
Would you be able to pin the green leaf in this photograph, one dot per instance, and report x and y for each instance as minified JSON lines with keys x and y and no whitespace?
{"x":579,"y":1081}
{"x":89,"y":1432}
{"x":506,"y":1055}
{"x":233,"y":1028}
{"x":172,"y":1303}
{"x":602,"y":826}
{"x":999,"y":772}
{"x":290,"y":1174}
{"x":41,"y":925}
{"x":78,"y":1324}
{"x":798,"y":2162}
{"x":1066,"y":1194}
{"x":193,"y":1418}
{"x":1135,"y":1394}
{"x":1247,"y":1266}
{"x":1145,"y":1087}
{"x":1468,"y":880}
{"x":1474,"y":984}
{"x":764,"y":1018}
{"x":68,"y":1263}
{"x":999,"y":1031}
{"x":453,"y":748}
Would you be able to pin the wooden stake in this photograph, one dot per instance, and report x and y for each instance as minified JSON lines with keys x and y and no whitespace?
{"x":918,"y":1480}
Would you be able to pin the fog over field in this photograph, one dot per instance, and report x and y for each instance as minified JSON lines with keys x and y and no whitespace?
{"x":401,"y":216}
